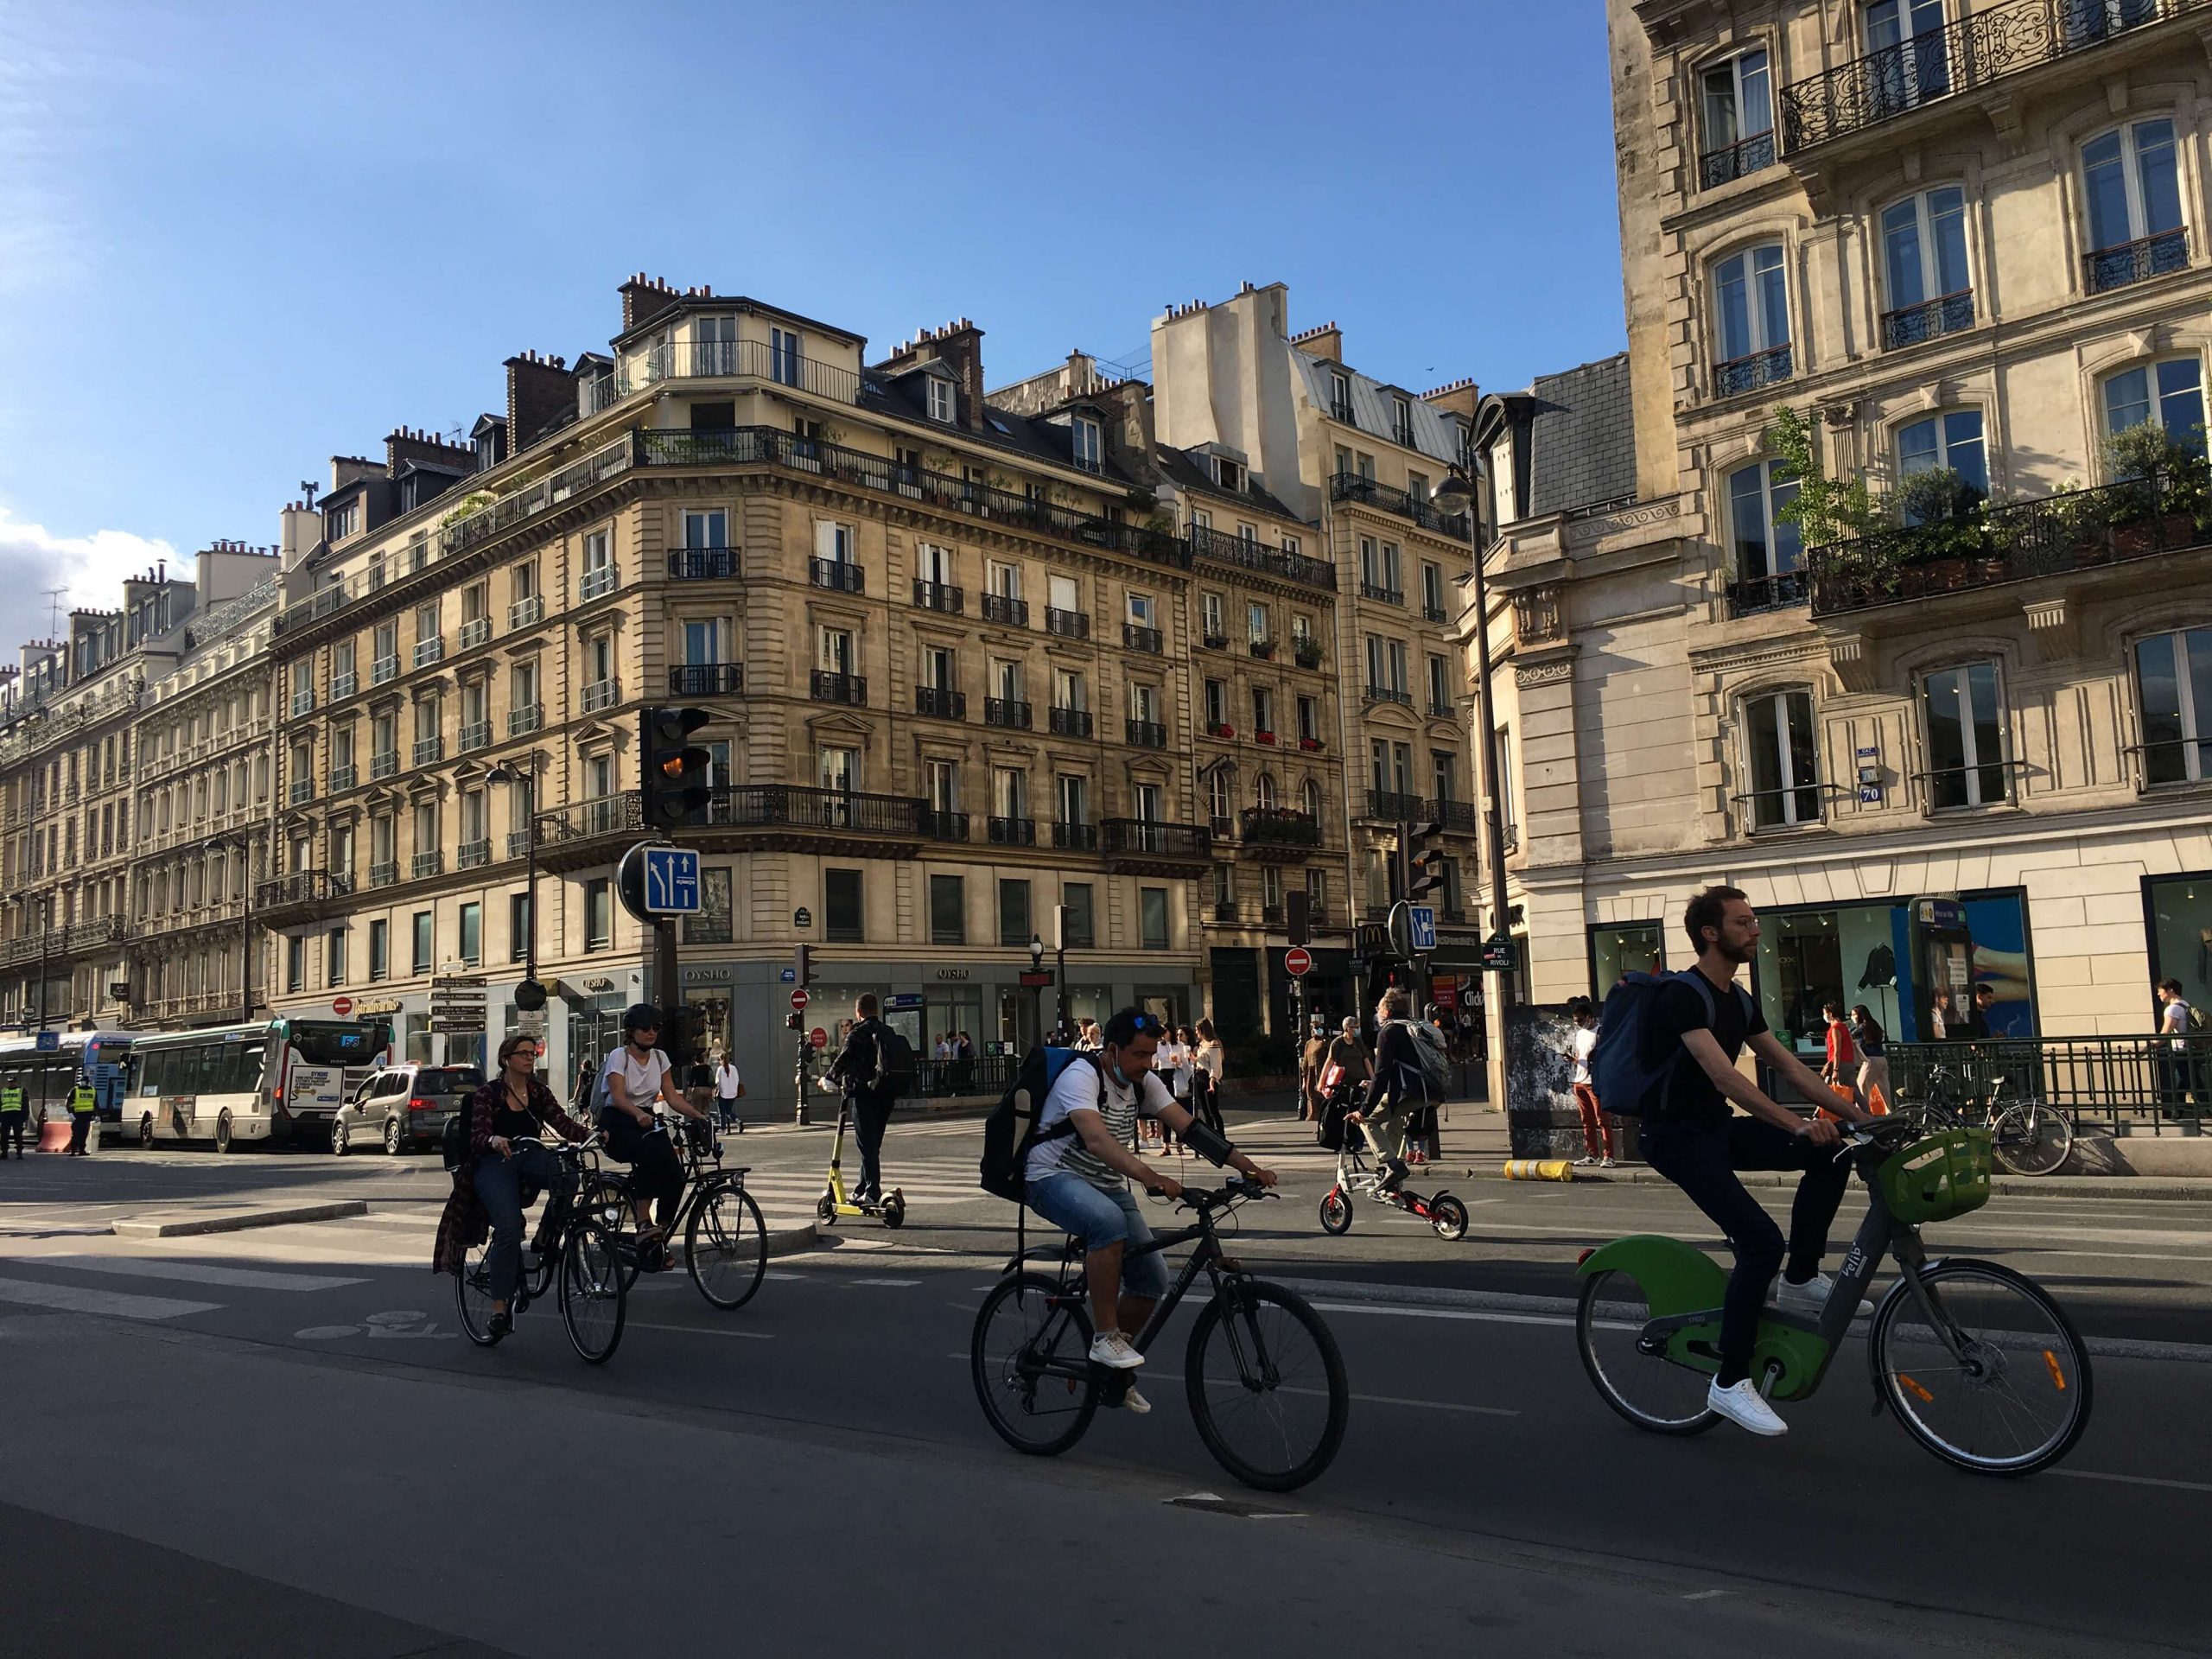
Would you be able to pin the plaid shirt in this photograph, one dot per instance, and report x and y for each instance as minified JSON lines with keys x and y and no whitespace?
{"x":463,"y":1223}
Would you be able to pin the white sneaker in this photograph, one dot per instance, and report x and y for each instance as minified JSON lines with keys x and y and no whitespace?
{"x":1130,"y":1400}
{"x":1811,"y":1296}
{"x":1604,"y":1163}
{"x":1740,"y":1404}
{"x":1585,"y":1162}
{"x":1111,"y":1349}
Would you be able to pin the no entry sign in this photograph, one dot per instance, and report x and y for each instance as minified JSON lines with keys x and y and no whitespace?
{"x":799,"y":999}
{"x":1298,"y":962}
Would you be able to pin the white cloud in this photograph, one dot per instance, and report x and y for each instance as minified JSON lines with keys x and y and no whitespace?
{"x":88,"y":572}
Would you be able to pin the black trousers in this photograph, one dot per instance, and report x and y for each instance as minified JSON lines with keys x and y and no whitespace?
{"x":80,"y":1127}
{"x":871,"y":1116}
{"x":1702,"y":1161}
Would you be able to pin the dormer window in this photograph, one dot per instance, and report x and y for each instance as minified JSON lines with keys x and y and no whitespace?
{"x":1401,"y":421}
{"x":488,"y":451}
{"x":1228,"y":473}
{"x":338,"y":522}
{"x":1088,"y":445}
{"x":1339,"y":395}
{"x":940,"y":399}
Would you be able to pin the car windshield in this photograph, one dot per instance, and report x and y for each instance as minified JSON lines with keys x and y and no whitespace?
{"x":447,"y":1079}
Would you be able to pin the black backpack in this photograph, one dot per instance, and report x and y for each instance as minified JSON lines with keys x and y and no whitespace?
{"x":896,"y":1072}
{"x":1011,"y":1130}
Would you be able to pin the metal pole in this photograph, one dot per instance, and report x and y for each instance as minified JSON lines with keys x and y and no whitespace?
{"x":246,"y":931}
{"x":1493,"y":783}
{"x":529,"y":780}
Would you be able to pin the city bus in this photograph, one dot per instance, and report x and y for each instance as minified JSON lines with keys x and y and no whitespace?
{"x":279,"y":1079}
{"x":46,"y":1077}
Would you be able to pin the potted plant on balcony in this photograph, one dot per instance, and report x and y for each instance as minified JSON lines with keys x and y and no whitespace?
{"x":1307,"y":650}
{"x":1940,"y":527}
{"x":1828,"y":514}
{"x":2158,"y":494}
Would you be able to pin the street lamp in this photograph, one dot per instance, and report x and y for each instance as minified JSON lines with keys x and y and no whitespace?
{"x":529,"y":995}
{"x":1036,"y":989}
{"x":1456,"y":494}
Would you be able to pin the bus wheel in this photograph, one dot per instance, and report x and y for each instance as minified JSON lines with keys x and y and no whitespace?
{"x":146,"y":1130}
{"x":223,"y":1132}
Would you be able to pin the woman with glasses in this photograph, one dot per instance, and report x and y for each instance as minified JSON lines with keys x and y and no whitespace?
{"x":511,"y":1107}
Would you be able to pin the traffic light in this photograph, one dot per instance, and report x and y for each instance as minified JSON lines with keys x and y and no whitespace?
{"x":1424,"y":858}
{"x":794,"y":1022}
{"x":803,"y":965}
{"x":675,"y":769}
{"x":1298,"y":915}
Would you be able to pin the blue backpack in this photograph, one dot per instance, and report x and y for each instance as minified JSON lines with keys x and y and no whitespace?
{"x":1628,"y":1083}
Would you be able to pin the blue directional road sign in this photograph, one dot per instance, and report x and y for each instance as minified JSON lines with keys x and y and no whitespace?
{"x":1421,"y":927}
{"x":671,"y":881}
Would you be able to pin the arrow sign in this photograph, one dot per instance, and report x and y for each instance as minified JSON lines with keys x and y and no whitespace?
{"x":1298,"y":962}
{"x":671,"y":881}
{"x":799,"y":999}
{"x":1421,"y":927}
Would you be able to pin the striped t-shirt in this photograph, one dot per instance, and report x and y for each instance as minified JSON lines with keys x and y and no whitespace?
{"x":1077,"y":1087}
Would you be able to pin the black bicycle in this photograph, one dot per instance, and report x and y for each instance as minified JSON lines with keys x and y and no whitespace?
{"x":2028,"y":1136}
{"x":725,"y":1240}
{"x":570,"y":1245}
{"x":1261,"y":1372}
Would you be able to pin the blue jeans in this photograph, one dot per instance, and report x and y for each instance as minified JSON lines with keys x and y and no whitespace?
{"x":498,"y":1189}
{"x":1100,"y":1218}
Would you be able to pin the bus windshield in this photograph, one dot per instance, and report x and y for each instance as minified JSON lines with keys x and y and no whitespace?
{"x":333,"y":1042}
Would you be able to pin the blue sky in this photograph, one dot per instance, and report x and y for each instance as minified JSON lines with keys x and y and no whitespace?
{"x":237,"y":239}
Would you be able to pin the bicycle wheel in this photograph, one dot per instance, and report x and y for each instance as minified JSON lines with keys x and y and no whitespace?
{"x":2032,"y":1138}
{"x":1448,"y":1217}
{"x":594,"y":1292}
{"x":1023,"y":1325}
{"x":472,"y":1295}
{"x":725,"y":1245}
{"x":1336,"y":1212}
{"x":1266,"y":1385}
{"x":2017,"y":1396}
{"x":606,"y":1200}
{"x":1647,"y":1388}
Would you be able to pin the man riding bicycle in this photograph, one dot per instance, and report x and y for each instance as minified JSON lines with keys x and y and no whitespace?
{"x":512,"y":1106}
{"x":1077,"y":1173}
{"x":1690,"y":1136}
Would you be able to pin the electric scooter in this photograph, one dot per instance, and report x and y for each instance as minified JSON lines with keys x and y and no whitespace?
{"x":1446,"y":1214}
{"x":836,"y":1201}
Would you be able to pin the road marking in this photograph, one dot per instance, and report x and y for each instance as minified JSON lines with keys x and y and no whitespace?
{"x":1487,"y":1316}
{"x":113,"y":1304}
{"x":1152,"y":1373}
{"x":2137,"y":1480}
{"x":193,"y":1272}
{"x":699,"y":1329}
{"x":1704,"y":1595}
{"x":888,"y":1284}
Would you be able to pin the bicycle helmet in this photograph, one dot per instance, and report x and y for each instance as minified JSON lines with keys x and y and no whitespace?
{"x":640,"y":1016}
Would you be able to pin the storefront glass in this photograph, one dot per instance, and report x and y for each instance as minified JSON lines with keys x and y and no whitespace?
{"x":2178,"y":909}
{"x":1618,"y":947}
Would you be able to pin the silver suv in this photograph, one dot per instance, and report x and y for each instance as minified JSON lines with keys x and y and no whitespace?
{"x":404,"y":1106}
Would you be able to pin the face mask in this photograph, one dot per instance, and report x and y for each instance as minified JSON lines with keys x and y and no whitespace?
{"x":1121,"y":1077}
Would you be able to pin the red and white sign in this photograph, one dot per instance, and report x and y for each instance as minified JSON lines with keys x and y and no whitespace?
{"x":818,"y":1037}
{"x":799,"y":999}
{"x":341,"y":1006}
{"x":1298,"y":962}
{"x":1445,"y":993}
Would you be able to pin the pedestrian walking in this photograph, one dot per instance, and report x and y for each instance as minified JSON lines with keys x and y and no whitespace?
{"x":82,"y":1104}
{"x":14,"y":1113}
{"x":1874,"y":1064}
{"x":1597,"y":1134}
{"x":2175,"y":1024}
{"x":586,"y":1080}
{"x":1842,"y":1063}
{"x":729,"y":1088}
{"x":1213,"y":1068}
{"x":1311,"y":1060}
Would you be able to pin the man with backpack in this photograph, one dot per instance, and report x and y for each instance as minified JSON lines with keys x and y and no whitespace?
{"x":874,"y":1069}
{"x":1667,"y":1051}
{"x":1402,"y":1086}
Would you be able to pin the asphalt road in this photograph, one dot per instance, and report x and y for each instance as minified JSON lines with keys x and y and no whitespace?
{"x":275,"y":1441}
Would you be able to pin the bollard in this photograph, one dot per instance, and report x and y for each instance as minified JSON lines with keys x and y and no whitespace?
{"x":1539,"y":1169}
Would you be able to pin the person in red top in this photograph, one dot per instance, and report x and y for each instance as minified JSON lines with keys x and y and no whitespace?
{"x":1843,"y":1058}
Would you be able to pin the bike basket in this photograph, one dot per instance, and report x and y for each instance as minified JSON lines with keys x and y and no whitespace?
{"x":1936,"y":1178}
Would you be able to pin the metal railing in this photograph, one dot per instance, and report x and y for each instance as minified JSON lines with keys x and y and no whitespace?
{"x":825,"y":687}
{"x":1148,"y":838}
{"x":475,"y":734}
{"x":600,"y":694}
{"x":596,"y":583}
{"x":1307,"y":653}
{"x":941,"y":823}
{"x":1070,"y":722}
{"x":840,"y":575}
{"x":1214,"y":641}
{"x":1241,"y":551}
{"x":383,"y":669}
{"x":1136,"y":636}
{"x":1012,"y":612}
{"x":302,"y":793}
{"x":607,"y":815}
{"x":474,"y":631}
{"x":430,"y":651}
{"x":1389,"y":694}
{"x":1393,"y":808}
{"x":1352,"y":486}
{"x":794,"y":806}
{"x":2124,"y":1085}
{"x":706,"y":679}
{"x":1012,"y":832}
{"x":383,"y":763}
{"x":984,"y":1074}
{"x":737,"y":359}
{"x":1010,"y":712}
{"x":940,"y":702}
{"x":1741,"y":374}
{"x":1914,"y":325}
{"x":1737,"y":161}
{"x":428,"y":751}
{"x":526,"y":613}
{"x":1458,"y":817}
{"x":527,"y":719}
{"x":343,"y":779}
{"x":383,"y":874}
{"x":1145,"y":734}
{"x":1280,"y":826}
{"x":343,"y":686}
{"x":426,"y":864}
{"x":940,"y":596}
{"x":472,"y":853}
{"x":1076,"y":837}
{"x":702,"y":563}
{"x":2105,"y":269}
{"x":1750,"y":595}
{"x":1067,"y":625}
{"x":1381,"y":592}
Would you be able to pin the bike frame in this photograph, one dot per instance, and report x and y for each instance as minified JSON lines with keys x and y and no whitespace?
{"x":1354,"y":1176}
{"x":1209,"y":1258}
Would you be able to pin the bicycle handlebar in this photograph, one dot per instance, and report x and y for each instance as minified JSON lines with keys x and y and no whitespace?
{"x":560,"y":1148}
{"x":1234,"y":1192}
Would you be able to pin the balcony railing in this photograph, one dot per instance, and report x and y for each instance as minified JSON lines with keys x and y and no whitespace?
{"x":1011,"y":613}
{"x":1148,"y":838}
{"x":474,"y":631}
{"x":1136,"y":636}
{"x":606,"y":814}
{"x":1915,"y":324}
{"x":597,"y":583}
{"x":1741,"y":374}
{"x":472,"y":853}
{"x":2080,"y":530}
{"x":428,"y":751}
{"x":1067,"y":625}
{"x":1750,"y":595}
{"x":527,"y":719}
{"x":1263,"y":649}
{"x":799,"y":807}
{"x":1010,"y":712}
{"x":1458,"y":817}
{"x":706,"y":679}
{"x":1013,"y":832}
{"x":1969,"y":52}
{"x":526,"y":613}
{"x":825,"y":687}
{"x":1146,"y":734}
{"x":519,"y":843}
{"x":383,"y":669}
{"x":430,"y":651}
{"x":1392,"y":808}
{"x":840,"y":575}
{"x":1350,"y":487}
{"x":1209,"y":544}
{"x":383,"y":763}
{"x":303,"y":703}
{"x":600,"y":694}
{"x":1076,"y":837}
{"x":475,"y":734}
{"x":2136,"y":262}
{"x":1381,"y":592}
{"x":1737,"y":161}
{"x":1070,"y":722}
{"x":940,"y":596}
{"x":1280,"y":826}
{"x":343,"y":779}
{"x":426,"y":864}
{"x":1214,"y":641}
{"x":302,"y":793}
{"x":702,"y":563}
{"x":737,"y":359}
{"x":298,"y":887}
{"x":942,"y":824}
{"x":940,"y":702}
{"x":1389,"y":694}
{"x":541,"y":495}
{"x":383,"y":874}
{"x":1307,"y":653}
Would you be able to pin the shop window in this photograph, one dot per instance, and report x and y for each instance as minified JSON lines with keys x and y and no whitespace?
{"x":841,"y":908}
{"x":1619,"y":948}
{"x":2179,"y":910}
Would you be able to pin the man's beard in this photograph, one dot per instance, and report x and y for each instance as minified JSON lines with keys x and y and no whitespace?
{"x":1737,"y":954}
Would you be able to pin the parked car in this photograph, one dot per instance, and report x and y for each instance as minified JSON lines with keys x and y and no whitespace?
{"x":403,"y":1106}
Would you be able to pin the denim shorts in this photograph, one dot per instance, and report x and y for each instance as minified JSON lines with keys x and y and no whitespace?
{"x":1100,"y":1218}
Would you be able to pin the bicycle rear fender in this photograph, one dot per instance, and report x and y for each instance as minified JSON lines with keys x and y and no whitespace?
{"x":1675,"y":1277}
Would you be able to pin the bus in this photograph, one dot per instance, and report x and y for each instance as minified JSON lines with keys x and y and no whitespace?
{"x":280,"y":1080}
{"x":46,"y":1077}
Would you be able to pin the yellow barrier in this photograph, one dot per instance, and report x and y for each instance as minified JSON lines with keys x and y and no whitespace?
{"x":1539,"y":1169}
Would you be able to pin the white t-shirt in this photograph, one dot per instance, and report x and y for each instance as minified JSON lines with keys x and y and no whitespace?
{"x":1211,"y":1060}
{"x":1179,"y":1062}
{"x":1586,"y":1039}
{"x":2175,"y":1022}
{"x":641,"y":1077}
{"x":727,"y":1081}
{"x":1077,"y":1087}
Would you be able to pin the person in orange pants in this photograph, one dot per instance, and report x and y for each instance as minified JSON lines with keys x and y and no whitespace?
{"x":1597,"y":1134}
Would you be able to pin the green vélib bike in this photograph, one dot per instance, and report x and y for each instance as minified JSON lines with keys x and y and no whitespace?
{"x":1976,"y":1361}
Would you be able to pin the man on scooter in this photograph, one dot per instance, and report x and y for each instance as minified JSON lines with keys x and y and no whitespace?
{"x":1396,"y":1090}
{"x":854,"y":1072}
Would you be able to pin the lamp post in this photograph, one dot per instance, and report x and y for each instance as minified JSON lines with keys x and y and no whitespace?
{"x":1036,"y":991}
{"x":1457,"y":494}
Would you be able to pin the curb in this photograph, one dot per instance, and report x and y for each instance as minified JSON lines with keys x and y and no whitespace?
{"x":792,"y":1237}
{"x":235,"y":1221}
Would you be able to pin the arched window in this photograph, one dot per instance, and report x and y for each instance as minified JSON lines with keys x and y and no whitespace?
{"x":1220,"y":804}
{"x":1265,"y":792}
{"x":2131,"y":190}
{"x":1928,"y":285}
{"x":1949,"y":445}
{"x":1750,"y":322}
{"x":1311,"y":795}
{"x":1782,"y":757}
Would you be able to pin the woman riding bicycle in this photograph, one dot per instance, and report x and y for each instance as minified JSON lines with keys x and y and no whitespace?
{"x":515,"y":1105}
{"x":637,"y":1074}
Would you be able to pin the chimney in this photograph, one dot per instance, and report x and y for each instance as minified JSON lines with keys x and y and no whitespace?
{"x":351,"y":469}
{"x":959,"y":347}
{"x":645,"y":298}
{"x":1327,"y":340}
{"x":1459,"y":397}
{"x":540,"y":390}
{"x":299,"y":532}
{"x":407,"y":444}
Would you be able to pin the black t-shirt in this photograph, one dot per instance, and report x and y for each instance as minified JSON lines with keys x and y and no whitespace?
{"x":1691,"y":1097}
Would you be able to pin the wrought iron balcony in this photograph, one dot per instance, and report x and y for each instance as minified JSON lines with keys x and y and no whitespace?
{"x":1010,"y":612}
{"x":1010,"y":712}
{"x":343,"y":779}
{"x":302,"y":793}
{"x":840,"y":575}
{"x":1393,"y":808}
{"x":1145,"y":843}
{"x":343,"y":686}
{"x":384,"y":763}
{"x":1307,"y":653}
{"x":1252,"y":554}
{"x":519,"y":843}
{"x":384,"y":874}
{"x":1737,"y":161}
{"x":1389,"y":694}
{"x":2079,"y":530}
{"x":1070,"y":722}
{"x":826,"y":687}
{"x":1915,"y":324}
{"x":940,"y":596}
{"x":383,"y":669}
{"x":1136,"y":636}
{"x":303,"y":703}
{"x":526,"y":613}
{"x":941,"y":825}
{"x":704,"y":564}
{"x":1227,"y":912}
{"x":620,"y":814}
{"x":1280,"y":828}
{"x":527,"y":719}
{"x":475,"y":630}
{"x":1382,"y":593}
{"x":1352,"y":486}
{"x":475,"y":734}
{"x":1458,"y":817}
{"x":599,"y":582}
{"x":299,"y":888}
{"x":1750,"y":595}
{"x":1435,"y":613}
{"x":1076,"y":837}
{"x":1013,"y":832}
{"x":473,"y":854}
{"x":426,"y":864}
{"x":430,"y":651}
{"x":1146,"y":734}
{"x":1067,"y":625}
{"x":1742,"y":374}
{"x":600,"y":694}
{"x":2136,"y":262}
{"x":706,"y":679}
{"x":941,"y":701}
{"x":428,"y":751}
